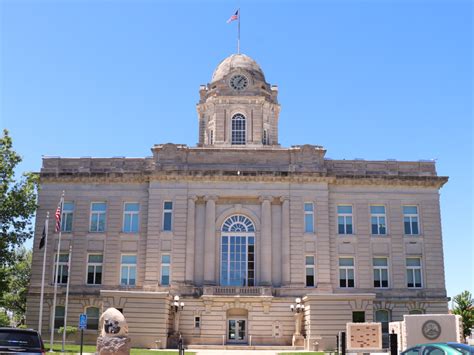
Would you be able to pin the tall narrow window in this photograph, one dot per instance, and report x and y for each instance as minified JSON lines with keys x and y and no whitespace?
{"x":377,"y":220}
{"x":98,"y":213}
{"x":346,"y":272}
{"x":383,"y":316}
{"x":167,"y":215}
{"x":308,"y":217}
{"x":309,"y":261}
{"x":67,"y":215}
{"x":94,"y":269}
{"x":380,"y":272}
{"x":165,"y":269}
{"x":238,"y":129}
{"x":62,"y":266}
{"x":197,"y":322}
{"x":211,"y":137}
{"x":92,"y":318}
{"x":59,"y":317}
{"x":414,"y":278}
{"x":128,"y":274}
{"x":410,"y":220}
{"x":265,"y":140}
{"x":344,"y":219}
{"x":131,"y":211}
{"x":238,"y":252}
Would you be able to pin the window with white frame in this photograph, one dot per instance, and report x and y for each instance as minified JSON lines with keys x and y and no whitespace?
{"x":63,"y":267}
{"x":378,"y":220}
{"x":128,"y":274}
{"x":197,"y":322}
{"x":94,"y":269}
{"x":411,"y":220}
{"x":67,"y":216}
{"x":167,"y":215}
{"x":59,"y":317}
{"x":346,"y":272}
{"x":309,"y":217}
{"x":165,"y":269}
{"x":131,"y":211}
{"x":98,"y":216}
{"x":414,"y":278}
{"x":310,"y":271}
{"x":238,"y":129}
{"x":92,"y":318}
{"x":344,"y":219}
{"x":380,"y":272}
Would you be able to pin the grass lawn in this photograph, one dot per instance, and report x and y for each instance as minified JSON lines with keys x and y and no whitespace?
{"x":74,"y":349}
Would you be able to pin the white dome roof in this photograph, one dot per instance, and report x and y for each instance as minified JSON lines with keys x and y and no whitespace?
{"x":236,"y":61}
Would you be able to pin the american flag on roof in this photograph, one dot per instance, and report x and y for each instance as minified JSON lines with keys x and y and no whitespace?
{"x":233,"y":17}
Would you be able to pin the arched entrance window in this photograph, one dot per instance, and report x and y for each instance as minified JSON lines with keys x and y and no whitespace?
{"x":237,"y":252}
{"x":238,"y":129}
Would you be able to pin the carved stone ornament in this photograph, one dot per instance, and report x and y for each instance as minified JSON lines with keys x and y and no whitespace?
{"x":431,"y":329}
{"x":113,"y":337}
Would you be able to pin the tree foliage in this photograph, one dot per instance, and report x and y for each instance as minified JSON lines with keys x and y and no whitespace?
{"x":17,"y":206}
{"x":464,"y":306}
{"x":17,"y":281}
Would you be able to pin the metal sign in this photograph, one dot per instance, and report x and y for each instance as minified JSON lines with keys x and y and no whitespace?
{"x":82,"y":321}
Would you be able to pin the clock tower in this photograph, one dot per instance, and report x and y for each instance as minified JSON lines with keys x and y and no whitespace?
{"x":238,"y":108}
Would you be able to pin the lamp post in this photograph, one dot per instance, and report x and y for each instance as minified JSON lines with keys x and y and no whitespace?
{"x":176,"y":308}
{"x":298,"y":311}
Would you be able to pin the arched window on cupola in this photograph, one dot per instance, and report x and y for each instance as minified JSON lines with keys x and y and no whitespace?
{"x":237,"y":252}
{"x":238,"y":129}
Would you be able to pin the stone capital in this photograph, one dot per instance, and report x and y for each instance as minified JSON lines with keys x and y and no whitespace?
{"x":192,"y":198}
{"x":266,"y":198}
{"x":284,"y":198}
{"x":210,"y":198}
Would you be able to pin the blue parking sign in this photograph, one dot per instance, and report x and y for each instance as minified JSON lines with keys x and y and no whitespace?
{"x":82,"y":321}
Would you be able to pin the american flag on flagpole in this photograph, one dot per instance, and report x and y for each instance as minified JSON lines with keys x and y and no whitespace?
{"x":58,"y":216}
{"x":233,"y":17}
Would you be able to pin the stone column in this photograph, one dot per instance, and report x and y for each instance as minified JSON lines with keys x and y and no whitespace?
{"x":209,"y":241}
{"x":190,"y":237}
{"x":285,"y":240}
{"x":266,"y":242}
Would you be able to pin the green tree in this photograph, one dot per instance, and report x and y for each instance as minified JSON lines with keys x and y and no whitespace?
{"x":464,"y":306}
{"x":17,"y":206}
{"x":17,"y":281}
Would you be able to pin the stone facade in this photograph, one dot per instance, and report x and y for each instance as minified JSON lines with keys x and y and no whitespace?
{"x":188,"y":195}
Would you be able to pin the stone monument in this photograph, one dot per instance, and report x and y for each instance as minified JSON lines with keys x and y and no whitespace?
{"x":364,"y":336}
{"x":113,"y":337}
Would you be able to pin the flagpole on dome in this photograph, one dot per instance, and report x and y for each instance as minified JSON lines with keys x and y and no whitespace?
{"x":43,"y":243}
{"x":57,"y":229}
{"x":238,"y":35}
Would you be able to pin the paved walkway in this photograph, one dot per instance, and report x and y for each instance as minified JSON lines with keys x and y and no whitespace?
{"x":235,"y":352}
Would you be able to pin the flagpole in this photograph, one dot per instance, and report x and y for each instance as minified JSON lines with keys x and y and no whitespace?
{"x":61,"y":202}
{"x":40,"y":321}
{"x":238,"y":35}
{"x":67,"y":295}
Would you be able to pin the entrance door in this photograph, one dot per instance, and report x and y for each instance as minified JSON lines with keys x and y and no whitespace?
{"x":237,"y":331}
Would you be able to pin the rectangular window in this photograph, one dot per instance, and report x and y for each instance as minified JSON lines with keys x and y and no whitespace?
{"x":165,"y":269}
{"x":414,"y":278}
{"x":59,"y":317}
{"x":346,"y":272}
{"x":67,"y":215}
{"x":308,"y":217}
{"x":63,"y":267}
{"x":98,"y":213}
{"x":344,"y":219}
{"x":92,"y":318}
{"x":167,"y":215}
{"x":410,"y":220}
{"x":380,"y":272}
{"x":94,"y":269}
{"x":128,"y":275}
{"x":197,"y":322}
{"x":377,"y":220}
{"x":358,"y":317}
{"x":131,"y":212}
{"x":310,"y":271}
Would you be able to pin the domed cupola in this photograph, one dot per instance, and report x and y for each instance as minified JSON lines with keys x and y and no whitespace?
{"x":238,"y":108}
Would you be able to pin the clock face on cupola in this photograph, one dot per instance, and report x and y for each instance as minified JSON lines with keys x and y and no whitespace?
{"x":238,"y":108}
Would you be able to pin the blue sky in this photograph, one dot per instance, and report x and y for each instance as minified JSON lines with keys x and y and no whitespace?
{"x":365,"y":79}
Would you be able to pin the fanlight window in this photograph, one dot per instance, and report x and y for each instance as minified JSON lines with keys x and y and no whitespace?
{"x":238,"y":224}
{"x":238,"y":129}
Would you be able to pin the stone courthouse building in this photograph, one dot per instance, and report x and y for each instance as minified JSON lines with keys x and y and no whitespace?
{"x":238,"y":227}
